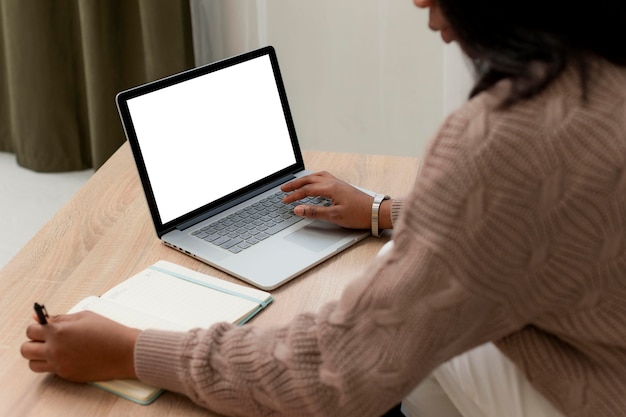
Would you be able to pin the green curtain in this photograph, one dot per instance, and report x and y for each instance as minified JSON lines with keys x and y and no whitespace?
{"x":63,"y":61}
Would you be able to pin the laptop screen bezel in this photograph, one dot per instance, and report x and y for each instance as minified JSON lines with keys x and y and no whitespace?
{"x":123,"y":97}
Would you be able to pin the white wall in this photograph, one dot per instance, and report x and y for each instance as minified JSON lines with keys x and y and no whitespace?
{"x":361,"y":76}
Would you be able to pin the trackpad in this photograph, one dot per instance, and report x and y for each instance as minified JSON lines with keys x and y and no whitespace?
{"x":317,"y":236}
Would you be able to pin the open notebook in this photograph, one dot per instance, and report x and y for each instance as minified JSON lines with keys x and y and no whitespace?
{"x":167,"y":296}
{"x":212,"y":147}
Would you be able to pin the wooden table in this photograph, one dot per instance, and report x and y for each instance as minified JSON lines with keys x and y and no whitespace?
{"x":103,"y":235}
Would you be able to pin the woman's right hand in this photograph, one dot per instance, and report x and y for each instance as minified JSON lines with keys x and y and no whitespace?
{"x":81,"y":347}
{"x":351,"y":207}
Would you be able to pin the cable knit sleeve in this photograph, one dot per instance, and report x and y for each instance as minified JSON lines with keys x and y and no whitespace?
{"x":495,"y":236}
{"x":396,"y":210}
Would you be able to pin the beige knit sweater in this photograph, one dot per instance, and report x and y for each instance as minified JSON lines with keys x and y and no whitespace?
{"x":515,"y":232}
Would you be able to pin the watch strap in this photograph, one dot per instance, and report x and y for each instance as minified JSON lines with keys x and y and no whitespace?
{"x":378,"y":199}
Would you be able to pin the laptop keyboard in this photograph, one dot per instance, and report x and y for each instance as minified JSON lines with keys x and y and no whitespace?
{"x":250,"y":225}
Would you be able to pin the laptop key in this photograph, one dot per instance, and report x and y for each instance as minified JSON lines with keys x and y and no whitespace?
{"x":235,"y":249}
{"x":262,"y":236}
{"x":282,"y":225}
{"x":232,"y":242}
{"x":221,"y":240}
{"x":211,"y":238}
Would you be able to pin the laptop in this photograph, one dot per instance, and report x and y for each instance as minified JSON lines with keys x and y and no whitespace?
{"x":212,"y":146}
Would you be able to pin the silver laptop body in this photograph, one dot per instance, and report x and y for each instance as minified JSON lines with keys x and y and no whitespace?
{"x":211,"y":141}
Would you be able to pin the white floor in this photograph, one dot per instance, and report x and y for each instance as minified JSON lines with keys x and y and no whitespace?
{"x":28,"y":200}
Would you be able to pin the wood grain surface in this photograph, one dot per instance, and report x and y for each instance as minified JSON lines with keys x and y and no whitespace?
{"x":104,"y":235}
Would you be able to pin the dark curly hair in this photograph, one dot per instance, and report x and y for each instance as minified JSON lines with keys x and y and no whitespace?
{"x":532,"y":41}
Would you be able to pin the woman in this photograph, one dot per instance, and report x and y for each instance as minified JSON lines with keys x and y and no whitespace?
{"x":511,"y":244}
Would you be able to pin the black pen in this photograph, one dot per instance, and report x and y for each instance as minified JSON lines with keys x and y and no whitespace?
{"x":42,"y":314}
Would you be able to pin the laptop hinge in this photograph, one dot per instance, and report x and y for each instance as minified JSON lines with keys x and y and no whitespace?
{"x":232,"y":203}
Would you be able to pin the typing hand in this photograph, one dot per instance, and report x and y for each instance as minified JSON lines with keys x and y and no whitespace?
{"x":351,"y":208}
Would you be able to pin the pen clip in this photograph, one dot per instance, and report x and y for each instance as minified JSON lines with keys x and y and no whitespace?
{"x":42,"y":313}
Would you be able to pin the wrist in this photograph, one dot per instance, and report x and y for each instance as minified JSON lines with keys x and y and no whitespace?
{"x":128,"y":361}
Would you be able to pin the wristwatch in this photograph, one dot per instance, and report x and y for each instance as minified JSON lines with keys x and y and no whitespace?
{"x":378,"y":199}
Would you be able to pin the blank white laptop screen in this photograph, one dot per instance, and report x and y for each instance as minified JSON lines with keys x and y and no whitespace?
{"x":236,"y":116}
